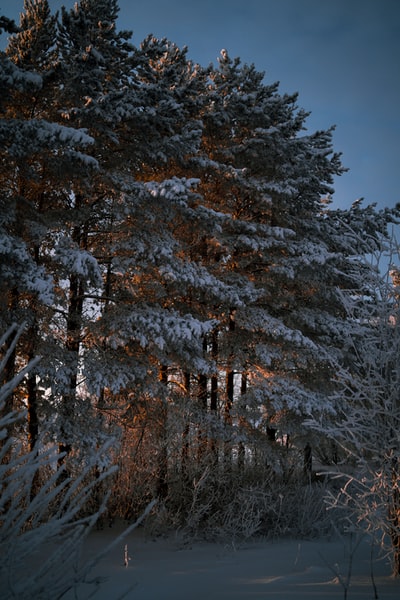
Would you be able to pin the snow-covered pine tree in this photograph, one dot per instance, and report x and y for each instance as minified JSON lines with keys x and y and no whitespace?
{"x":250,"y":145}
{"x":92,"y":220}
{"x":34,"y":46}
{"x":33,"y":149}
{"x":275,"y":179}
{"x":94,"y":59}
{"x":77,"y":198}
{"x":160,"y":221}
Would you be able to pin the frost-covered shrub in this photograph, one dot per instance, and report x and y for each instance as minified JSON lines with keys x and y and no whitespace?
{"x":41,"y":527}
{"x":366,"y":423}
{"x":235,"y":505}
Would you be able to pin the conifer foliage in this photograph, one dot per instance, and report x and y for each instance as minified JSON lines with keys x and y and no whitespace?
{"x":166,"y":234}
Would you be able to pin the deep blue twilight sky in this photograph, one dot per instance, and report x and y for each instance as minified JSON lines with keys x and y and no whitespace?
{"x":341,"y":56}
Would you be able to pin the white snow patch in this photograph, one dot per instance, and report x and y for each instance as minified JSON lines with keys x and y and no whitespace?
{"x":168,"y":569}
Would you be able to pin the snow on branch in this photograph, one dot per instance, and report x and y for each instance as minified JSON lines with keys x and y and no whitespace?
{"x":22,"y":138}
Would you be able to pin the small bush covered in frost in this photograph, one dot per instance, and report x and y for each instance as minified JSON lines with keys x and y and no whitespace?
{"x":41,"y":531}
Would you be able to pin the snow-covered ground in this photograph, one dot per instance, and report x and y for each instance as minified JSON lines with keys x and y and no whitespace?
{"x":168,"y":569}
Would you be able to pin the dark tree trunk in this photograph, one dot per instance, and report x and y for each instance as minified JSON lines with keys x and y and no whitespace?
{"x":202,"y":382}
{"x":33,"y":419}
{"x":6,"y":376}
{"x":74,"y":323}
{"x":230,"y":378}
{"x":228,"y":415}
{"x":33,"y":428}
{"x":32,"y":393}
{"x":214,"y":397}
{"x":73,"y":340}
{"x":202,"y":433}
{"x":9,"y":368}
{"x":307,"y":467}
{"x":186,"y":430}
{"x":162,"y":475}
{"x":241,"y":449}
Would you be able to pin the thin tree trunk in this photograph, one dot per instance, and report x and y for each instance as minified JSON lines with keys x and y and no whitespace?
{"x":33,"y":416}
{"x":162,"y":475}
{"x":228,"y":415}
{"x":241,"y":449}
{"x":9,"y":368}
{"x":214,"y":396}
{"x":202,"y":400}
{"x":202,"y":434}
{"x":72,"y":346}
{"x":73,"y":339}
{"x":307,"y":466}
{"x":185,"y":433}
{"x":32,"y":394}
{"x":230,"y":377}
{"x":7,"y":375}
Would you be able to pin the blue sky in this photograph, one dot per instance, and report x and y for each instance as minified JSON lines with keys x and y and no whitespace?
{"x":341,"y":56}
